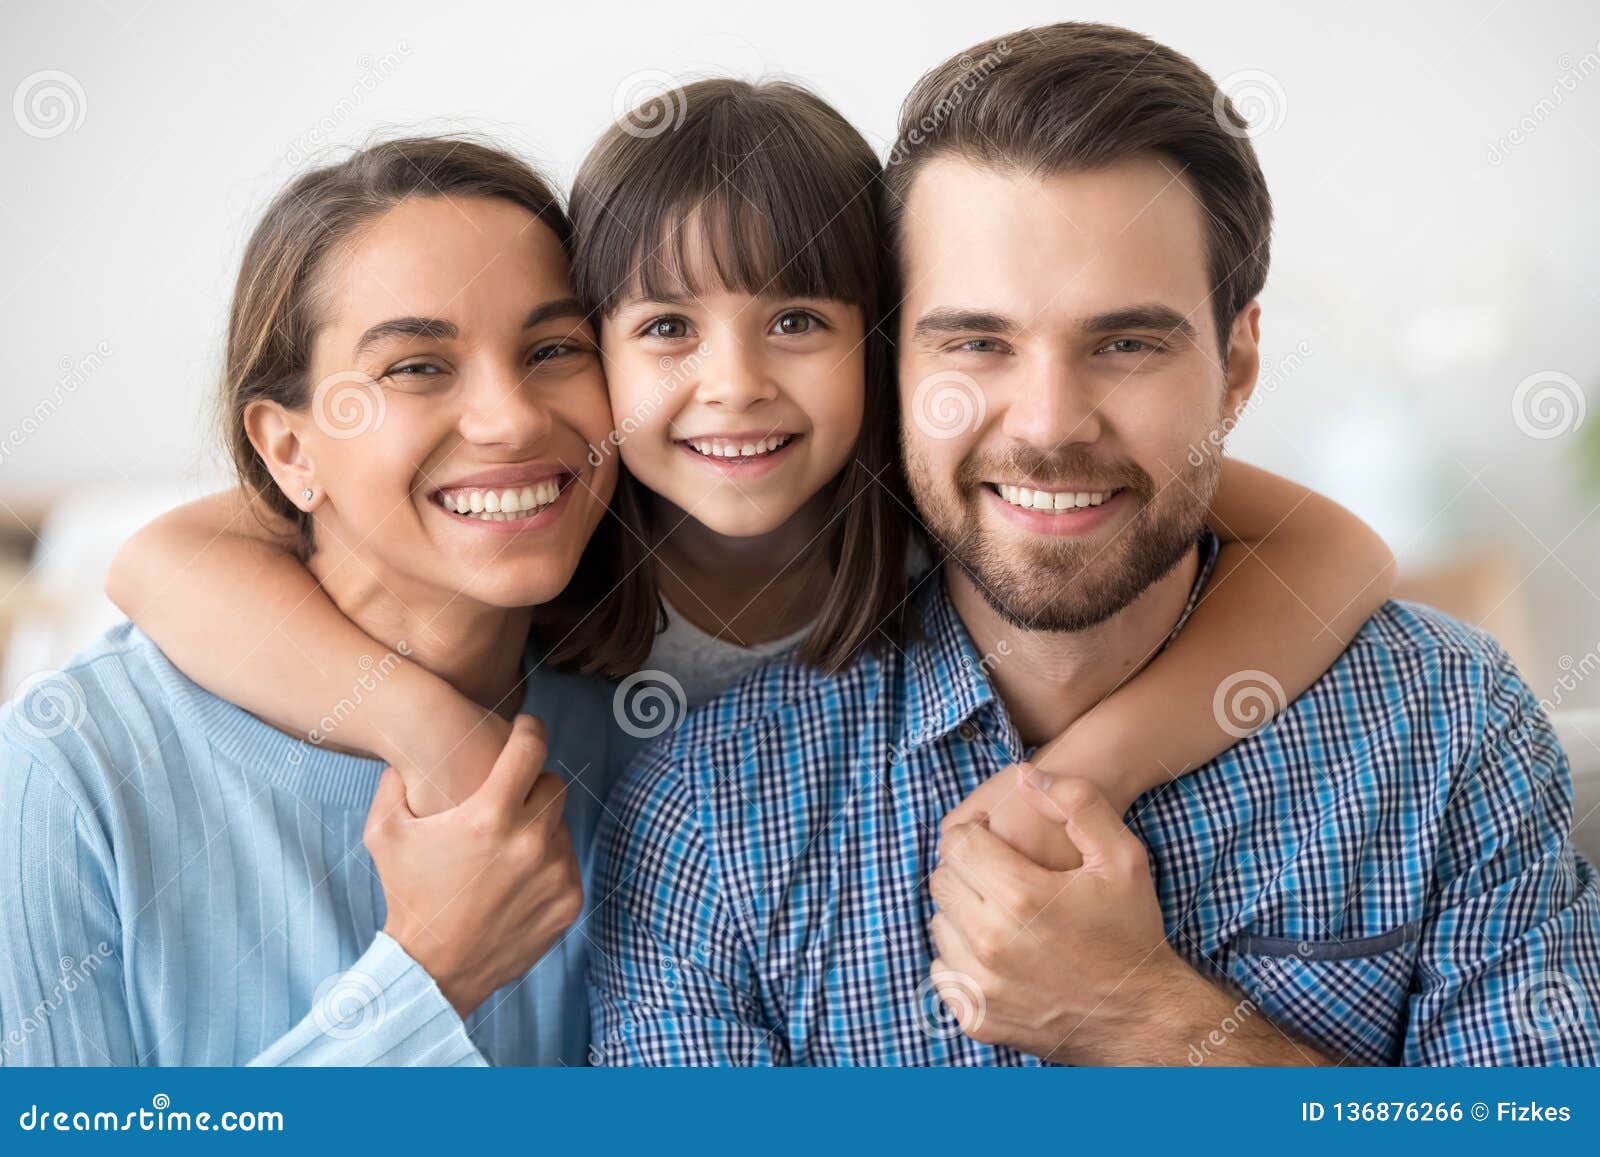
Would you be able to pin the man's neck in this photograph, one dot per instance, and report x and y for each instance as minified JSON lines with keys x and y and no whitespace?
{"x":474,"y":647}
{"x":1047,"y":679}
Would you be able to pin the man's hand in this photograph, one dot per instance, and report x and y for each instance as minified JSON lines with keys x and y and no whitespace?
{"x":1072,"y":966}
{"x":478,"y":893}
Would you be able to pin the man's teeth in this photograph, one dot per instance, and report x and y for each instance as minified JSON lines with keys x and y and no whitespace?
{"x":1052,"y":500}
{"x":499,"y":505}
{"x":723,"y":448}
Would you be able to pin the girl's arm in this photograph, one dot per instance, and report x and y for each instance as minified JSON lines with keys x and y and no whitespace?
{"x":1295,"y":579}
{"x":216,"y":584}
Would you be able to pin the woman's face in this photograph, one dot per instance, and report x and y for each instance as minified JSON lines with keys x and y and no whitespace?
{"x":737,"y":409}
{"x":457,"y":389}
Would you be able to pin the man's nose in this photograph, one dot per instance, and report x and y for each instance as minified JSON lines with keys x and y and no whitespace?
{"x":1051,"y":408}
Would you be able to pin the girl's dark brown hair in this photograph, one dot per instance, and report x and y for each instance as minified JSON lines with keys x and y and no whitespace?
{"x":766,"y":188}
{"x":277,"y":308}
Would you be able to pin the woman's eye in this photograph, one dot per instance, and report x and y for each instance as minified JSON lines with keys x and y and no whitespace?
{"x":551,"y":353}
{"x":670,"y":328}
{"x":796,"y":322}
{"x":414,"y":370}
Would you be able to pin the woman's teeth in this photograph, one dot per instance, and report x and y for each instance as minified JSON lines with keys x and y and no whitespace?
{"x":500,"y":505}
{"x":1051,"y":500}
{"x":723,"y":448}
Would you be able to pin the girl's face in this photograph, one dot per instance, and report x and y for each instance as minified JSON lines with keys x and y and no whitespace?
{"x":456,"y":392}
{"x":736,"y":408}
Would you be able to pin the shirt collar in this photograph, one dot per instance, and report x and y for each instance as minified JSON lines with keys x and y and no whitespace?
{"x":948,"y":681}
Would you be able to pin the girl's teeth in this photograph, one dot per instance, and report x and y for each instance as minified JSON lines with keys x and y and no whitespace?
{"x":500,"y":505}
{"x":1052,"y":501}
{"x":719,"y":448}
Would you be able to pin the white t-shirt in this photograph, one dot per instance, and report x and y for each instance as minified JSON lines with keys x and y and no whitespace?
{"x":705,"y":665}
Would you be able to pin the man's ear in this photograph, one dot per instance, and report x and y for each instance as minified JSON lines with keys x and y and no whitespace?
{"x":275,"y":434}
{"x":1244,"y":359}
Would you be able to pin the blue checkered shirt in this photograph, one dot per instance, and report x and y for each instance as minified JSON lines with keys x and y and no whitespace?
{"x":1383,"y":871}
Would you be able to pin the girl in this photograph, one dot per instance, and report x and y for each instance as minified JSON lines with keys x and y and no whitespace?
{"x":203,"y":872}
{"x":735,"y":263}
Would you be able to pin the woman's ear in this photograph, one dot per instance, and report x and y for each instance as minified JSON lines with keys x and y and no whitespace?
{"x":1244,"y":359}
{"x":275,"y":434}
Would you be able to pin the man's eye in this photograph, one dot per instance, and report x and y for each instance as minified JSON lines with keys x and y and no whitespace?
{"x":980,"y":345}
{"x":1127,"y":345}
{"x":670,"y":328}
{"x":795,"y":322}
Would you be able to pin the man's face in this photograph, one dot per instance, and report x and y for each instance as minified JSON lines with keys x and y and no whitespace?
{"x":1061,"y":382}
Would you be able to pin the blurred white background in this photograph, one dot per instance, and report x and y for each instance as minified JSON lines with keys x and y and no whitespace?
{"x":1429,"y":322}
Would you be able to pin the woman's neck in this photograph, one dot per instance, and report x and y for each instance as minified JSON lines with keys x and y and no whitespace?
{"x":747,"y":590}
{"x":475,"y":648}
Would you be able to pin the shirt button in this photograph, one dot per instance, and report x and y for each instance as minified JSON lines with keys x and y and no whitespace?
{"x":967,"y":732}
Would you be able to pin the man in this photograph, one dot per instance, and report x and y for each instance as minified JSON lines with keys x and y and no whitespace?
{"x":1381,"y":876}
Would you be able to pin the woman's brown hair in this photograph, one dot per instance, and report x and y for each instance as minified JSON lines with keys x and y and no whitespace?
{"x":779,"y":195}
{"x":594,"y":625}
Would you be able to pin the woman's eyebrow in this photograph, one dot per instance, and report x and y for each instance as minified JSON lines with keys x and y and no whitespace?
{"x":562,"y":307}
{"x":431,"y":327}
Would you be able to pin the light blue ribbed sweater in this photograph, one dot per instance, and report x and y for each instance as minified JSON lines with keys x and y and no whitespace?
{"x":181,"y":884}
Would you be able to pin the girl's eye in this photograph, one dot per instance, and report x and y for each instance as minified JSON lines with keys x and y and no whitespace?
{"x":670,"y":328}
{"x":796,"y":322}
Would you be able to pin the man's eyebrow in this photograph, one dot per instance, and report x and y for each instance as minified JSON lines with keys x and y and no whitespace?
{"x":944,"y":321}
{"x":405,"y":327}
{"x":1155,"y":318}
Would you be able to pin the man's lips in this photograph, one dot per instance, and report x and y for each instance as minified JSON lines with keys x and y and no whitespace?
{"x":1046,"y":512}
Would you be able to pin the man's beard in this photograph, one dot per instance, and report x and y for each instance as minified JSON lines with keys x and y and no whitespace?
{"x":1066,"y":584}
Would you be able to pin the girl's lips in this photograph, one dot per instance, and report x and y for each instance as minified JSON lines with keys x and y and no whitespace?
{"x":537,"y":520}
{"x":1067,"y":523}
{"x":742,"y":467}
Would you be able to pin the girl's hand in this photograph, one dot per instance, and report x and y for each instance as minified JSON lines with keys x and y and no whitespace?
{"x":1014,"y":812}
{"x":443,"y":747}
{"x":478,"y":893}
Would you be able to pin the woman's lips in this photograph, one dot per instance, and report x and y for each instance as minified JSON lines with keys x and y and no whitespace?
{"x":507,"y":509}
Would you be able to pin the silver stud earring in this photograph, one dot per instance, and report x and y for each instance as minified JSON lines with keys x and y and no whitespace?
{"x":307,"y":494}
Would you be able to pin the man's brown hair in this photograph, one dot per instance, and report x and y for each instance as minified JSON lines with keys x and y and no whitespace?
{"x":1074,"y":96}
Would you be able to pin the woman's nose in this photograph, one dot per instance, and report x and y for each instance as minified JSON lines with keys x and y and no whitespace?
{"x":504,"y":409}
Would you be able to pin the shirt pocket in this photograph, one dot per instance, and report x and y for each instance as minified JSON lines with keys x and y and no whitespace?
{"x":1347,"y":997}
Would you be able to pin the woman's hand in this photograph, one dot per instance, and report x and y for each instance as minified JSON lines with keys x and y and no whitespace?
{"x":478,"y":893}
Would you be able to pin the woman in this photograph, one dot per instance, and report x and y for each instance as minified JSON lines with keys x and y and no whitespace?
{"x":211,"y":866}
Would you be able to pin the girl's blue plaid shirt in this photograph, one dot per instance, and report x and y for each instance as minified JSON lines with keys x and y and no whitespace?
{"x":1384,"y":871}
